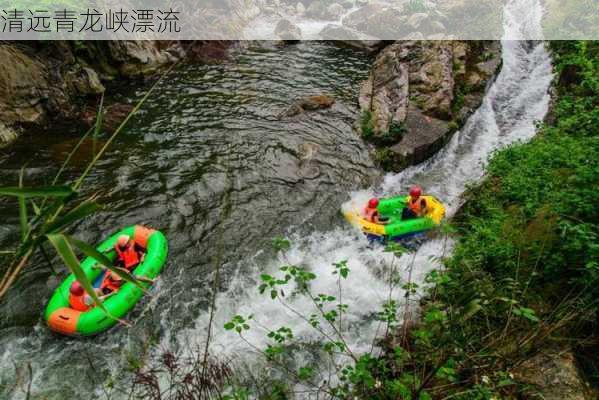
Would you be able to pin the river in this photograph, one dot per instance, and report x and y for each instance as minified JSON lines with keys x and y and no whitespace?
{"x":208,"y":158}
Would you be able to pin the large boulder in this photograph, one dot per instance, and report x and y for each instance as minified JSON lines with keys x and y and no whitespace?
{"x":419,"y":92}
{"x":554,"y":375}
{"x":358,"y":19}
{"x":385,"y":95}
{"x":286,"y":30}
{"x":139,"y":57}
{"x":345,"y":37}
{"x":39,"y":84}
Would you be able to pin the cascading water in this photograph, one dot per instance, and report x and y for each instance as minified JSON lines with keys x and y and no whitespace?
{"x":515,"y":102}
{"x":225,"y":116}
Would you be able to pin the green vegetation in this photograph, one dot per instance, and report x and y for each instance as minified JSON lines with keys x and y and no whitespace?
{"x":367,"y":124}
{"x":415,"y":6}
{"x":367,"y":128}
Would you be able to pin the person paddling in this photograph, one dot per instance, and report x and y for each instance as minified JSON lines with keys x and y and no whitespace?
{"x":129,"y":254}
{"x":80,"y":300}
{"x":371,"y":212}
{"x":416,"y":204}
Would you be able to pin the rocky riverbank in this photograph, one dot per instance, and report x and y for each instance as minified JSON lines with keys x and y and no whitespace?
{"x":44,"y":84}
{"x":419,"y":93}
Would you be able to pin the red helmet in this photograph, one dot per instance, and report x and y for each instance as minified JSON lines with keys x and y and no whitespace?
{"x":373,"y":203}
{"x":76,"y":289}
{"x":416,"y":191}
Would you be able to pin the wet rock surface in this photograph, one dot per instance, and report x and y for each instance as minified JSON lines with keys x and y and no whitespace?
{"x":418,"y":93}
{"x":554,"y":375}
{"x":288,"y":31}
{"x":311,"y":103}
{"x":52,"y":83}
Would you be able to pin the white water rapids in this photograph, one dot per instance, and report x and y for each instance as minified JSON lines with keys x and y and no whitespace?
{"x":515,"y":102}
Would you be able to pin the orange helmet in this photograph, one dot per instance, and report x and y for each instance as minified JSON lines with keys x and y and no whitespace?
{"x":416,"y":191}
{"x":76,"y":289}
{"x":373,"y":203}
{"x":123,"y":240}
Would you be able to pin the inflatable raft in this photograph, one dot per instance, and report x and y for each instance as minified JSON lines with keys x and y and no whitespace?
{"x":62,"y":318}
{"x":396,"y":228}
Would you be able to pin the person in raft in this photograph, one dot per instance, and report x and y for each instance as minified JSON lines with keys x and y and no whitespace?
{"x":81,"y":301}
{"x":416,"y":204}
{"x":129,"y":255}
{"x":371,"y":213}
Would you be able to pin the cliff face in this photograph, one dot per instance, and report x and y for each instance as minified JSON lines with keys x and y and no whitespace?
{"x":419,"y":92}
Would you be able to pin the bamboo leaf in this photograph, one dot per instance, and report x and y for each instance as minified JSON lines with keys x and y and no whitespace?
{"x":36,"y":209}
{"x":139,"y":104}
{"x":68,"y":159}
{"x":81,"y":211}
{"x":65,"y":251}
{"x":90,"y":251}
{"x":98,"y":125}
{"x":44,"y":191}
{"x":22,"y":209}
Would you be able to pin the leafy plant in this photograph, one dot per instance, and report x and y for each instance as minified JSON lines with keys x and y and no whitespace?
{"x":367,"y":124}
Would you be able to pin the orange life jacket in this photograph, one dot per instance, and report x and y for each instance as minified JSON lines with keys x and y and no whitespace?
{"x":416,"y":205}
{"x":129,"y":256}
{"x":110,"y":283}
{"x":77,"y":302}
{"x":370,"y":214}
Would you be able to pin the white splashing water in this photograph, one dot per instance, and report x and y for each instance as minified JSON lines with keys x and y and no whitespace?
{"x":515,"y":102}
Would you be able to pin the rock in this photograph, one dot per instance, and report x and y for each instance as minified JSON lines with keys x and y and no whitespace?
{"x":7,"y":135}
{"x":385,"y":93}
{"x":311,"y":103}
{"x":347,"y":4}
{"x":424,"y":90}
{"x":416,"y":19}
{"x":317,"y":10}
{"x":423,"y":138}
{"x":84,"y":81}
{"x":415,"y":36}
{"x":389,"y":23}
{"x":204,"y":51}
{"x":336,"y":32}
{"x":139,"y":57}
{"x":345,"y":37}
{"x":24,"y":86}
{"x":335,"y":11}
{"x":286,"y":30}
{"x":431,"y":78}
{"x":358,"y":19}
{"x":300,"y":9}
{"x":555,"y":376}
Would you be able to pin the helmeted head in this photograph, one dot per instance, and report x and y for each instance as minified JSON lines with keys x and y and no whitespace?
{"x":415,"y":191}
{"x":373,"y":203}
{"x":123,"y":241}
{"x":76,"y":289}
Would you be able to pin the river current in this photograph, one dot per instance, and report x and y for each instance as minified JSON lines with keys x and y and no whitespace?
{"x":210,"y":162}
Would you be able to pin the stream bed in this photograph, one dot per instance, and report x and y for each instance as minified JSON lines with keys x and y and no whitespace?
{"x":210,"y":163}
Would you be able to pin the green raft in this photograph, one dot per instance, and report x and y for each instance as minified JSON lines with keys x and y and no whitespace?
{"x":396,"y":228}
{"x":62,"y":318}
